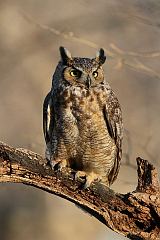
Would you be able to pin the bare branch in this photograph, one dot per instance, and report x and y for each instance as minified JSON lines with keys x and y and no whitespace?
{"x":120,"y":55}
{"x":69,"y":35}
{"x":145,"y":20}
{"x":140,"y":67}
{"x":151,"y":54}
{"x":135,"y":215}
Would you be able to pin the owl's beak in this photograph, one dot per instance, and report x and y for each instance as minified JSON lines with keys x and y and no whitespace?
{"x":88,"y":82}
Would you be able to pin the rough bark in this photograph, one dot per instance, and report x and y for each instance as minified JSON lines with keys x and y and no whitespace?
{"x":135,"y":215}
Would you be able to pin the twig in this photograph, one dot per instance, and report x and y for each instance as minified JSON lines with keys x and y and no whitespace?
{"x":140,"y":67}
{"x":70,"y":35}
{"x":151,"y":54}
{"x":118,"y":54}
{"x":145,"y":20}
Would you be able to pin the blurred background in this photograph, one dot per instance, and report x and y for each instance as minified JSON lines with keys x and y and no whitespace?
{"x":30,"y":34}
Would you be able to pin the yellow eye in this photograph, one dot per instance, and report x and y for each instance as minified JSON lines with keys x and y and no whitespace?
{"x":95,"y":74}
{"x":75,"y":73}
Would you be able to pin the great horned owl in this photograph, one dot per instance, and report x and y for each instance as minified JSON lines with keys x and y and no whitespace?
{"x":82,"y":119}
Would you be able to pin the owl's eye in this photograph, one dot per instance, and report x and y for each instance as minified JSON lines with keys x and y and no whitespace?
{"x":75,"y":73}
{"x":95,"y":74}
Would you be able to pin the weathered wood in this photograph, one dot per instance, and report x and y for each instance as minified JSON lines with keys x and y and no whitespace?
{"x":135,"y":215}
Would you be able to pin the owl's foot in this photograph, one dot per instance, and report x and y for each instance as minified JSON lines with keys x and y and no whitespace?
{"x":80,"y":175}
{"x":89,"y":177}
{"x":58,"y":165}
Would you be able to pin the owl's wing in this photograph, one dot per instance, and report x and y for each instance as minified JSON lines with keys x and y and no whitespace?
{"x":48,"y":118}
{"x":113,"y":118}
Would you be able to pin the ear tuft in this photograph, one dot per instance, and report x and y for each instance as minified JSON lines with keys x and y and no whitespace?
{"x":100,"y":56}
{"x":65,"y":55}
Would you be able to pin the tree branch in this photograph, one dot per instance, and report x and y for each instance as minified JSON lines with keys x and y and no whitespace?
{"x":116,"y":53}
{"x":135,"y":215}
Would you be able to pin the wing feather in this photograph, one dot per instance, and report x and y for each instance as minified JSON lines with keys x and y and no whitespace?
{"x":113,"y":118}
{"x":48,"y":118}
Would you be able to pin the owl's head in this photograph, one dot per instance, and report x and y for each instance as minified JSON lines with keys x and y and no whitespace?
{"x":86,"y":72}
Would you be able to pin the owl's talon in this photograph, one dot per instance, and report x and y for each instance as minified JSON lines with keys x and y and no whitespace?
{"x":52,"y":165}
{"x":87,"y":183}
{"x":61,"y":165}
{"x":80,"y":175}
{"x":58,"y":165}
{"x":89,"y":178}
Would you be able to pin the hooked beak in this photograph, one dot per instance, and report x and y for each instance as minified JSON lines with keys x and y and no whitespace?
{"x":88,"y":82}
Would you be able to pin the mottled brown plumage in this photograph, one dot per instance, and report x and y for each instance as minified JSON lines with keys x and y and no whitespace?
{"x":82,"y":119}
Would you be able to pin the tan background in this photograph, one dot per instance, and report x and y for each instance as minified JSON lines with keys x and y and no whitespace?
{"x":28,"y":56}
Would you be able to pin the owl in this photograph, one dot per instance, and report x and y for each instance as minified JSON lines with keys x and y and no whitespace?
{"x":82,"y":120}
